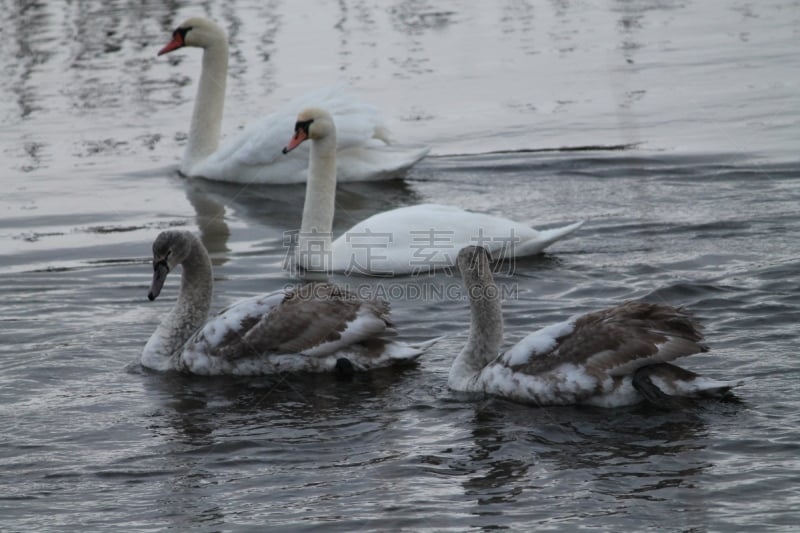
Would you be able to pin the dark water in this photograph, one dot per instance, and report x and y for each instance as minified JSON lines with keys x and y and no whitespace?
{"x":93,"y":442}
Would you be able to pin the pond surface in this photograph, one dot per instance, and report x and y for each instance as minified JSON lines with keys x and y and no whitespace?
{"x":686,"y":119}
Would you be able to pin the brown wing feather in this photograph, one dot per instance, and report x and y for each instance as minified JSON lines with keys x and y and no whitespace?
{"x":623,"y":337}
{"x":309,"y":315}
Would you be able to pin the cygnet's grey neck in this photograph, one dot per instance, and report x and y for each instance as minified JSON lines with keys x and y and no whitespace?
{"x":486,"y":324}
{"x":196,"y":283}
{"x":190,"y":311}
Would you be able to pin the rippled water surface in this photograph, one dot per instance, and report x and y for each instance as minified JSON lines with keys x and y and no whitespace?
{"x":695,"y":205}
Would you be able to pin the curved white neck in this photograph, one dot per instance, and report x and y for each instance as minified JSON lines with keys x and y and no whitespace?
{"x":206,"y":123}
{"x":485,"y":332}
{"x":188,"y":315}
{"x":313,"y":252}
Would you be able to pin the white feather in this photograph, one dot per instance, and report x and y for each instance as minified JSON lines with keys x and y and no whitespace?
{"x":538,"y":342}
{"x":428,"y":237}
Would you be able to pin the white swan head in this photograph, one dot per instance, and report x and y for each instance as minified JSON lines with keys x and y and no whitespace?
{"x":312,"y":123}
{"x":197,"y":32}
{"x":170,"y":249}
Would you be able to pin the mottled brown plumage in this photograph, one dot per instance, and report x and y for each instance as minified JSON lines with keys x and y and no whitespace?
{"x":295,"y":326}
{"x":310,"y":315}
{"x":614,"y":340}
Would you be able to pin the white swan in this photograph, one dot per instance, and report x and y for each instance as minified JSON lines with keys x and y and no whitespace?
{"x":314,"y":327}
{"x":253,"y":156}
{"x":617,"y":356}
{"x":406,"y":240}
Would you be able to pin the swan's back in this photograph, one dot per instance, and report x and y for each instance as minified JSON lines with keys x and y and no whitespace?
{"x":425,"y":236}
{"x":613,"y":357}
{"x":254,"y":155}
{"x":614,"y":341}
{"x":302,"y":329}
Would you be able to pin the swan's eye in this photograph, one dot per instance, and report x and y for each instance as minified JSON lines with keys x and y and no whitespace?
{"x":163,"y":262}
{"x":303,"y":125}
{"x":182,"y":32}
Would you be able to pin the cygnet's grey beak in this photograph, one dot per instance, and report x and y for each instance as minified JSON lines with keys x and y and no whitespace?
{"x":160,"y":271}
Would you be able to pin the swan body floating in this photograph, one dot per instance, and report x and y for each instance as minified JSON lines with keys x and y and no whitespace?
{"x":614,"y":357}
{"x":254,"y":155}
{"x":315,"y":327}
{"x":406,"y":240}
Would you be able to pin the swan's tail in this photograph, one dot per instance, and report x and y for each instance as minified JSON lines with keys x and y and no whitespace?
{"x":376,"y":161}
{"x":424,"y":346}
{"x":544,"y":239}
{"x":666,"y":385}
{"x":382,"y":134}
{"x":409,"y":352}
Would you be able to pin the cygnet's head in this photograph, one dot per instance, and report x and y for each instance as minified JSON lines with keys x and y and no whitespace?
{"x":169,"y":250}
{"x":473,"y":263}
{"x":198,"y":32}
{"x":312,"y":123}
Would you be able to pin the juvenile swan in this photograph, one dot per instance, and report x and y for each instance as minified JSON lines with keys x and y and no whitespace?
{"x":407,"y":240}
{"x":617,"y":356}
{"x":315,"y":327}
{"x":254,"y":156}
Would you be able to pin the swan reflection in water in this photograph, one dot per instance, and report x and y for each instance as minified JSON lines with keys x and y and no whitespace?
{"x":522,"y":461}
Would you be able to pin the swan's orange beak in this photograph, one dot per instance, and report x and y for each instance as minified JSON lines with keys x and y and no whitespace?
{"x":174,"y":44}
{"x":300,"y":135}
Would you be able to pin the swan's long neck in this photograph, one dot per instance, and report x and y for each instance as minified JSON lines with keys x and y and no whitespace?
{"x":188,"y":315}
{"x":485,"y":331}
{"x":204,"y":131}
{"x":313,"y":252}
